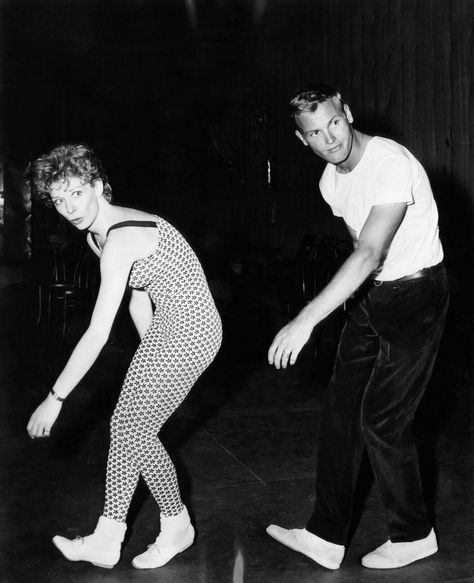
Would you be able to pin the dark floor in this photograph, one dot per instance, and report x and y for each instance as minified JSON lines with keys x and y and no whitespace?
{"x":244,"y":446}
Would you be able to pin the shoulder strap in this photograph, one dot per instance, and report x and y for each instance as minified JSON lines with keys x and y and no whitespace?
{"x":95,"y":242}
{"x":132,"y":224}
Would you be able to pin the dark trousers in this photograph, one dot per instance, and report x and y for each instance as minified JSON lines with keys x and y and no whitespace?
{"x":384,"y":362}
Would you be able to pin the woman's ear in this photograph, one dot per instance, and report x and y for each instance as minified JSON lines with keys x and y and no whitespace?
{"x":98,"y":187}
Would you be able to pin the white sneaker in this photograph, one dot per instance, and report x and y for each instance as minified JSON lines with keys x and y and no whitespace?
{"x":160,"y":552}
{"x":393,"y":555}
{"x":327,"y":554}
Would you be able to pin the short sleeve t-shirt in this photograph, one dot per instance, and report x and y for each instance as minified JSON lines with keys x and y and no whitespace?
{"x":388,"y":173}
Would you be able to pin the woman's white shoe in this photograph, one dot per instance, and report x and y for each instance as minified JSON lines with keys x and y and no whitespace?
{"x":164,"y":549}
{"x":177,"y":535}
{"x":102,"y":548}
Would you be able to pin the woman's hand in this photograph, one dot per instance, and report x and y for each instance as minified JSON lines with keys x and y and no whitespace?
{"x":43,"y":418}
{"x":289,"y":341}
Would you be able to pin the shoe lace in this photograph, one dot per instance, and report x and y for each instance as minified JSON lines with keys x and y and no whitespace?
{"x":156,"y":545}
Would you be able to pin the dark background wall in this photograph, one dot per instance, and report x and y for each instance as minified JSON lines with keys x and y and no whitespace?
{"x":185,"y":100}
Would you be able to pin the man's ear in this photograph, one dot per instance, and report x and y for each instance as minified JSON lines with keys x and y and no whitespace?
{"x":348,"y":113}
{"x":301,"y":137}
{"x":98,"y":187}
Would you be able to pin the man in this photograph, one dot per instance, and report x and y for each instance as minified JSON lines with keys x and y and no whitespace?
{"x":388,"y":346}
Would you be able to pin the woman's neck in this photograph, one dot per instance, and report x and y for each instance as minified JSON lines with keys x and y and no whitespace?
{"x":104,"y":219}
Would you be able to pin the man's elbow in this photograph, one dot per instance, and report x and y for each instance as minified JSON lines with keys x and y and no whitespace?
{"x":371,"y":258}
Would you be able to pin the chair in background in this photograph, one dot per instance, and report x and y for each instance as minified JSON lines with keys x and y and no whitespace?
{"x":317,"y":260}
{"x":71,"y":286}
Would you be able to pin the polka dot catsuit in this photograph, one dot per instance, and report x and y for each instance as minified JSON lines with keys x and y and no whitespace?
{"x":180,"y":343}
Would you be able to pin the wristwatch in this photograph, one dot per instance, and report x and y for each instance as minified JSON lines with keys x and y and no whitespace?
{"x":56,"y":397}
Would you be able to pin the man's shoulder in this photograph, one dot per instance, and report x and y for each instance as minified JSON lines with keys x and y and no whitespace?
{"x":387,"y":146}
{"x":385,"y":152}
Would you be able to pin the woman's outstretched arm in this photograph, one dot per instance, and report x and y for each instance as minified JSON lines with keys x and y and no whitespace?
{"x":115,"y":265}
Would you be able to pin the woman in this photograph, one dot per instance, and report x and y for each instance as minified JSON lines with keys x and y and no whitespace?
{"x":180,"y":332}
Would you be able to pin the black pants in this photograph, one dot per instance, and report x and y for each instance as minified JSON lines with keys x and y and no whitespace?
{"x":384,"y":362}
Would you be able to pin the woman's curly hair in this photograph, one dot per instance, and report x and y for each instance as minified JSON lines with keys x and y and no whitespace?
{"x":63,"y":162}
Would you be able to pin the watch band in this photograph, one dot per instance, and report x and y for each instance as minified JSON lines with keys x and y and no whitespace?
{"x":56,"y":396}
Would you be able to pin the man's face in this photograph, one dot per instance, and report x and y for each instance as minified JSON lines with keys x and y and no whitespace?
{"x":76,"y":201}
{"x":327,"y":131}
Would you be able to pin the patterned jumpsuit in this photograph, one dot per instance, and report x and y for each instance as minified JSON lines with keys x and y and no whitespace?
{"x":181,"y":342}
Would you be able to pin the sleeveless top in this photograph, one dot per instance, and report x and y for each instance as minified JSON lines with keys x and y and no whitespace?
{"x":172,"y":274}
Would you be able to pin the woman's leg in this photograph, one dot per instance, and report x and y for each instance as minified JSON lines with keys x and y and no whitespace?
{"x":122,"y":470}
{"x":170,"y":378}
{"x":175,"y":373}
{"x":163,"y":371}
{"x":102,"y":548}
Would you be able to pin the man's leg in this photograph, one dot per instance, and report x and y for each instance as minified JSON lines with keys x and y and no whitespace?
{"x":339,"y":445}
{"x":403,"y":368}
{"x":413,"y":314}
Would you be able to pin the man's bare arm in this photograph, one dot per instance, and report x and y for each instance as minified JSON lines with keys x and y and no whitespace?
{"x":375,"y":238}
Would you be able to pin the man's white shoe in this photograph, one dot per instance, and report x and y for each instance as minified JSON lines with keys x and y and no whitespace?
{"x":393,"y":555}
{"x":327,"y":554}
{"x":162,"y":551}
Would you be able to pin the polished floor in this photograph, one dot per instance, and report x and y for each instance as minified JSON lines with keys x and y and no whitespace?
{"x":243,"y":443}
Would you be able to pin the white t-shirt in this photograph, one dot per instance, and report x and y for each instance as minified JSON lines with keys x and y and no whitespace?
{"x":389,"y":173}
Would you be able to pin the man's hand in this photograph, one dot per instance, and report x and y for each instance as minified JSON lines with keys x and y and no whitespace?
{"x":375,"y":237}
{"x":289,"y":341}
{"x":43,"y":418}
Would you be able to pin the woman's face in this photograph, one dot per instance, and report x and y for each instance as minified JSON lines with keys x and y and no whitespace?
{"x":77,"y":201}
